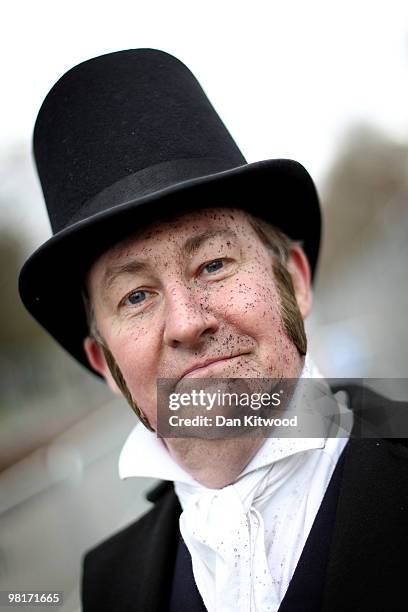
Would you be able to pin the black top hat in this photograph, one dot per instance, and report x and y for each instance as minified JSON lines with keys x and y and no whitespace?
{"x":128,"y":137}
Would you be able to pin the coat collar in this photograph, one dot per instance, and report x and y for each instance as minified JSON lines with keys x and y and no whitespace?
{"x":368,"y":556}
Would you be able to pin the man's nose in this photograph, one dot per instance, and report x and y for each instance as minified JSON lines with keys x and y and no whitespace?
{"x":188,"y":318}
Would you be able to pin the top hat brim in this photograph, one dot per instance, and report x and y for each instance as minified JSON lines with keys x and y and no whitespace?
{"x":280,"y":191}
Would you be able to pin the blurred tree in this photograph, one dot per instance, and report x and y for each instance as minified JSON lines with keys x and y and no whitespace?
{"x":362,"y":286}
{"x":16,"y":325}
{"x":368,"y":176}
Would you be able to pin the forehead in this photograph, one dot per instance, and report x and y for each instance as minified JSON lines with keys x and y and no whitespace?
{"x":163,"y":238}
{"x":170,"y":230}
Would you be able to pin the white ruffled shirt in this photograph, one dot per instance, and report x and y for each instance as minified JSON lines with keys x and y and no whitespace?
{"x":245,"y":539}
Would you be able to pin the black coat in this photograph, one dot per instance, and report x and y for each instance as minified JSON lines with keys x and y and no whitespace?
{"x":367,"y":565}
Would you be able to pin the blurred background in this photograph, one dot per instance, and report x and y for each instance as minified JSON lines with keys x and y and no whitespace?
{"x":325,"y":83}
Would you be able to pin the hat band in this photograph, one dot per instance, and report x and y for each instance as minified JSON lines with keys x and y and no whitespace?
{"x":148,"y":182}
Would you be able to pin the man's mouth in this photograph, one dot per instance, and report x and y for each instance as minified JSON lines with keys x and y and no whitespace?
{"x":200,"y":368}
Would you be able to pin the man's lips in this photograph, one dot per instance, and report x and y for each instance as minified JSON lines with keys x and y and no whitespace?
{"x":197,"y":368}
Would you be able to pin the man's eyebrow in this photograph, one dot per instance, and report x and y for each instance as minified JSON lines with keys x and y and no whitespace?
{"x":131,"y":267}
{"x":192,"y":244}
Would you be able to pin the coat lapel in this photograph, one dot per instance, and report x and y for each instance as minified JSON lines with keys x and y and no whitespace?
{"x":133,"y":570}
{"x":367,"y":562}
{"x":156,"y":555}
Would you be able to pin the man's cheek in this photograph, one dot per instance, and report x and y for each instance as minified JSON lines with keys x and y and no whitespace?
{"x":133,"y":369}
{"x":247,"y":296}
{"x":256,"y":307}
{"x":144,"y":394}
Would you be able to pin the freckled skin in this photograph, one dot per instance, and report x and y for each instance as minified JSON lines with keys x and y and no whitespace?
{"x":189,"y":314}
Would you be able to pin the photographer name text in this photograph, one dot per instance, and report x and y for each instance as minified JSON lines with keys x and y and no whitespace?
{"x":222,"y":421}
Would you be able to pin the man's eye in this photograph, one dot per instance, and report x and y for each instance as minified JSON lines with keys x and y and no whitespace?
{"x":214,"y":266}
{"x":135,"y":298}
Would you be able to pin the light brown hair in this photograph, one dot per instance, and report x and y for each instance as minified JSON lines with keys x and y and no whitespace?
{"x":280,"y":245}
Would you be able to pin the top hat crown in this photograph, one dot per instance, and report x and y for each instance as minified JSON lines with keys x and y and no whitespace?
{"x":127,"y":137}
{"x":112,"y":117}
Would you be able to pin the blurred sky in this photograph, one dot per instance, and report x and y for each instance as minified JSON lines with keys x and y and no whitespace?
{"x":287,"y":77}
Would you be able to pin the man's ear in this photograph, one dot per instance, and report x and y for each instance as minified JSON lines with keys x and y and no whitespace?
{"x":97,"y":360}
{"x":299,"y":270}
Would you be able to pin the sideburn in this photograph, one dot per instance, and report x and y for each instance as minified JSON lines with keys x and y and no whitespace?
{"x":120,"y":381}
{"x":291,"y":316}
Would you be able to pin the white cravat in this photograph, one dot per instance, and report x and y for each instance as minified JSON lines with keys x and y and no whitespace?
{"x":224,"y":528}
{"x":245,"y":539}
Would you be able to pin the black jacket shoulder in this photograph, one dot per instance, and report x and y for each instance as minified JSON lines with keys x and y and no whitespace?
{"x":148,"y":543}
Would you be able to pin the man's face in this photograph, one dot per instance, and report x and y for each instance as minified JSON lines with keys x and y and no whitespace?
{"x":191,"y":297}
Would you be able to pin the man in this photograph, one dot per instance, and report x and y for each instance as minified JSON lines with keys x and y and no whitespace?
{"x":173,"y":259}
